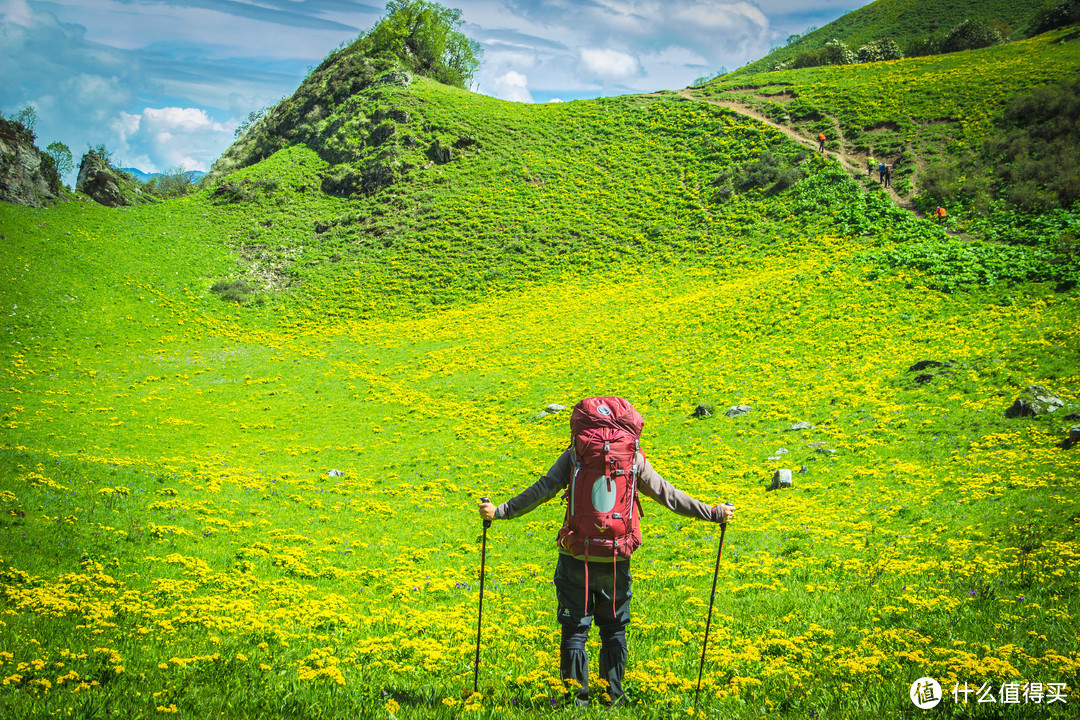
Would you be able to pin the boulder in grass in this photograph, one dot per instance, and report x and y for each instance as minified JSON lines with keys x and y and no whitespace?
{"x":1074,"y":437}
{"x":703,"y":410}
{"x":1034,"y":401}
{"x":801,"y":425}
{"x":737,"y":410}
{"x":551,"y":409}
{"x":782,"y":479}
{"x":335,"y":473}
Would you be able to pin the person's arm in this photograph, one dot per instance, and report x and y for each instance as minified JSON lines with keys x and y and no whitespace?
{"x":652,"y":485}
{"x":547,"y":487}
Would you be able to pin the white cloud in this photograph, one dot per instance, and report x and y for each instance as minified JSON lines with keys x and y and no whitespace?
{"x":513,"y":86}
{"x":161,"y":138}
{"x":610,"y":64}
{"x":715,"y":16}
{"x":17,"y":12}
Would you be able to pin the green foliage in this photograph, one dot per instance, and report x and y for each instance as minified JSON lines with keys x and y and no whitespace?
{"x":834,"y":52}
{"x":424,"y":36}
{"x":905,"y":22}
{"x":238,"y":291}
{"x":1034,"y":156}
{"x":174,"y":182}
{"x":770,"y":173}
{"x":968,"y":35}
{"x":879,"y":50}
{"x":61,"y":157}
{"x":1054,"y":14}
{"x":252,"y":117}
{"x":27,"y":118}
{"x":101,"y":152}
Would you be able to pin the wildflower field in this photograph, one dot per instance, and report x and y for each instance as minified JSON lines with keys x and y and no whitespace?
{"x":174,"y":541}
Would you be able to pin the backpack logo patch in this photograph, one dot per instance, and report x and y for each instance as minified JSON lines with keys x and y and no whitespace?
{"x":604,"y":493}
{"x":603,"y":409}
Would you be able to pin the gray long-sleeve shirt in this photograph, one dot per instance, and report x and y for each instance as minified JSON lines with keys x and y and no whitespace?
{"x":558,"y":478}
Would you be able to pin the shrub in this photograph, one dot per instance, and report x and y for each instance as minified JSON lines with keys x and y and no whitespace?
{"x":834,"y":52}
{"x":1054,"y":15}
{"x":970,"y":35}
{"x":1034,"y":155}
{"x":879,"y":50}
{"x":237,"y":291}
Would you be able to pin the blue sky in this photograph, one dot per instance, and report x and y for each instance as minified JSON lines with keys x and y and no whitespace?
{"x":164,"y":83}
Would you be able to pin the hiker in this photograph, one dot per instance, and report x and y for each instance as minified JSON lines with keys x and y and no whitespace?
{"x":881,"y":173}
{"x":888,"y":175}
{"x":821,"y":142}
{"x":600,"y":472}
{"x":940,"y":214}
{"x":869,"y":167}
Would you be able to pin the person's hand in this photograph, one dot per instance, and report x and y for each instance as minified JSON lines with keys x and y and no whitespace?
{"x":487,"y":511}
{"x":725,"y":513}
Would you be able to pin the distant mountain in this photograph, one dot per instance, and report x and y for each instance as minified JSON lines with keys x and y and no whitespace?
{"x":193,"y":175}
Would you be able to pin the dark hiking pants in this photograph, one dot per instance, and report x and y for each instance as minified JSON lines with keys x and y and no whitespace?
{"x":607,"y":599}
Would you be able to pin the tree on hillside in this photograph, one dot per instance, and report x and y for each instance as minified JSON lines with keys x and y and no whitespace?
{"x":27,"y":118}
{"x":424,"y":36}
{"x":61,"y":157}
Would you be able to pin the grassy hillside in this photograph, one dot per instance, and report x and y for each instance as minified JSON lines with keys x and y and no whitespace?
{"x":906,"y":22}
{"x":172,"y":540}
{"x":912,"y":112}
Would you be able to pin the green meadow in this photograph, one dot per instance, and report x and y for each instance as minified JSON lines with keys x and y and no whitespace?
{"x":173,"y":540}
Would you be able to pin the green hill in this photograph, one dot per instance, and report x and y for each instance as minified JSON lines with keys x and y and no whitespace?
{"x":910,"y":22}
{"x":182,"y":379}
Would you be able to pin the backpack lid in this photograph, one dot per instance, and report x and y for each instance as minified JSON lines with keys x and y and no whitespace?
{"x":611,"y":412}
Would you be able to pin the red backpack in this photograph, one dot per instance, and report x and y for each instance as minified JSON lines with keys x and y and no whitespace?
{"x":601,"y":519}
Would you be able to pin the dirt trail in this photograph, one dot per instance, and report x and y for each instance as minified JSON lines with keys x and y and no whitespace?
{"x":854,"y":163}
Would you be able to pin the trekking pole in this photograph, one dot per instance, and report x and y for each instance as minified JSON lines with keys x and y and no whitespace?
{"x":480,"y":613}
{"x":708,"y":619}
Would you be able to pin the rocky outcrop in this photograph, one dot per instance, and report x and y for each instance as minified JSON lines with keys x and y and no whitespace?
{"x":107,"y":185}
{"x":98,"y":180}
{"x":27,"y":177}
{"x":1034,"y":401}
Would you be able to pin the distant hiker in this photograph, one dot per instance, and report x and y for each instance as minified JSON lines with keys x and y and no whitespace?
{"x":888,"y":175}
{"x":940,"y":214}
{"x":881,"y":172}
{"x":821,"y":142}
{"x":869,"y":167}
{"x":599,"y":475}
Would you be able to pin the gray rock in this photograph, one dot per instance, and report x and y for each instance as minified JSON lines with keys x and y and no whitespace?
{"x":782,"y":479}
{"x":737,"y":410}
{"x":551,"y":409}
{"x":801,"y":425}
{"x":1035,"y":400}
{"x":104,"y":184}
{"x":439,"y":153}
{"x":25,"y":178}
{"x":381,"y":133}
{"x":400,"y":78}
{"x":335,"y":473}
{"x":1074,"y":437}
{"x":376,"y":177}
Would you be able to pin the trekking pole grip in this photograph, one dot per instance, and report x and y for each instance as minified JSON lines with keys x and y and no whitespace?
{"x":487,"y":523}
